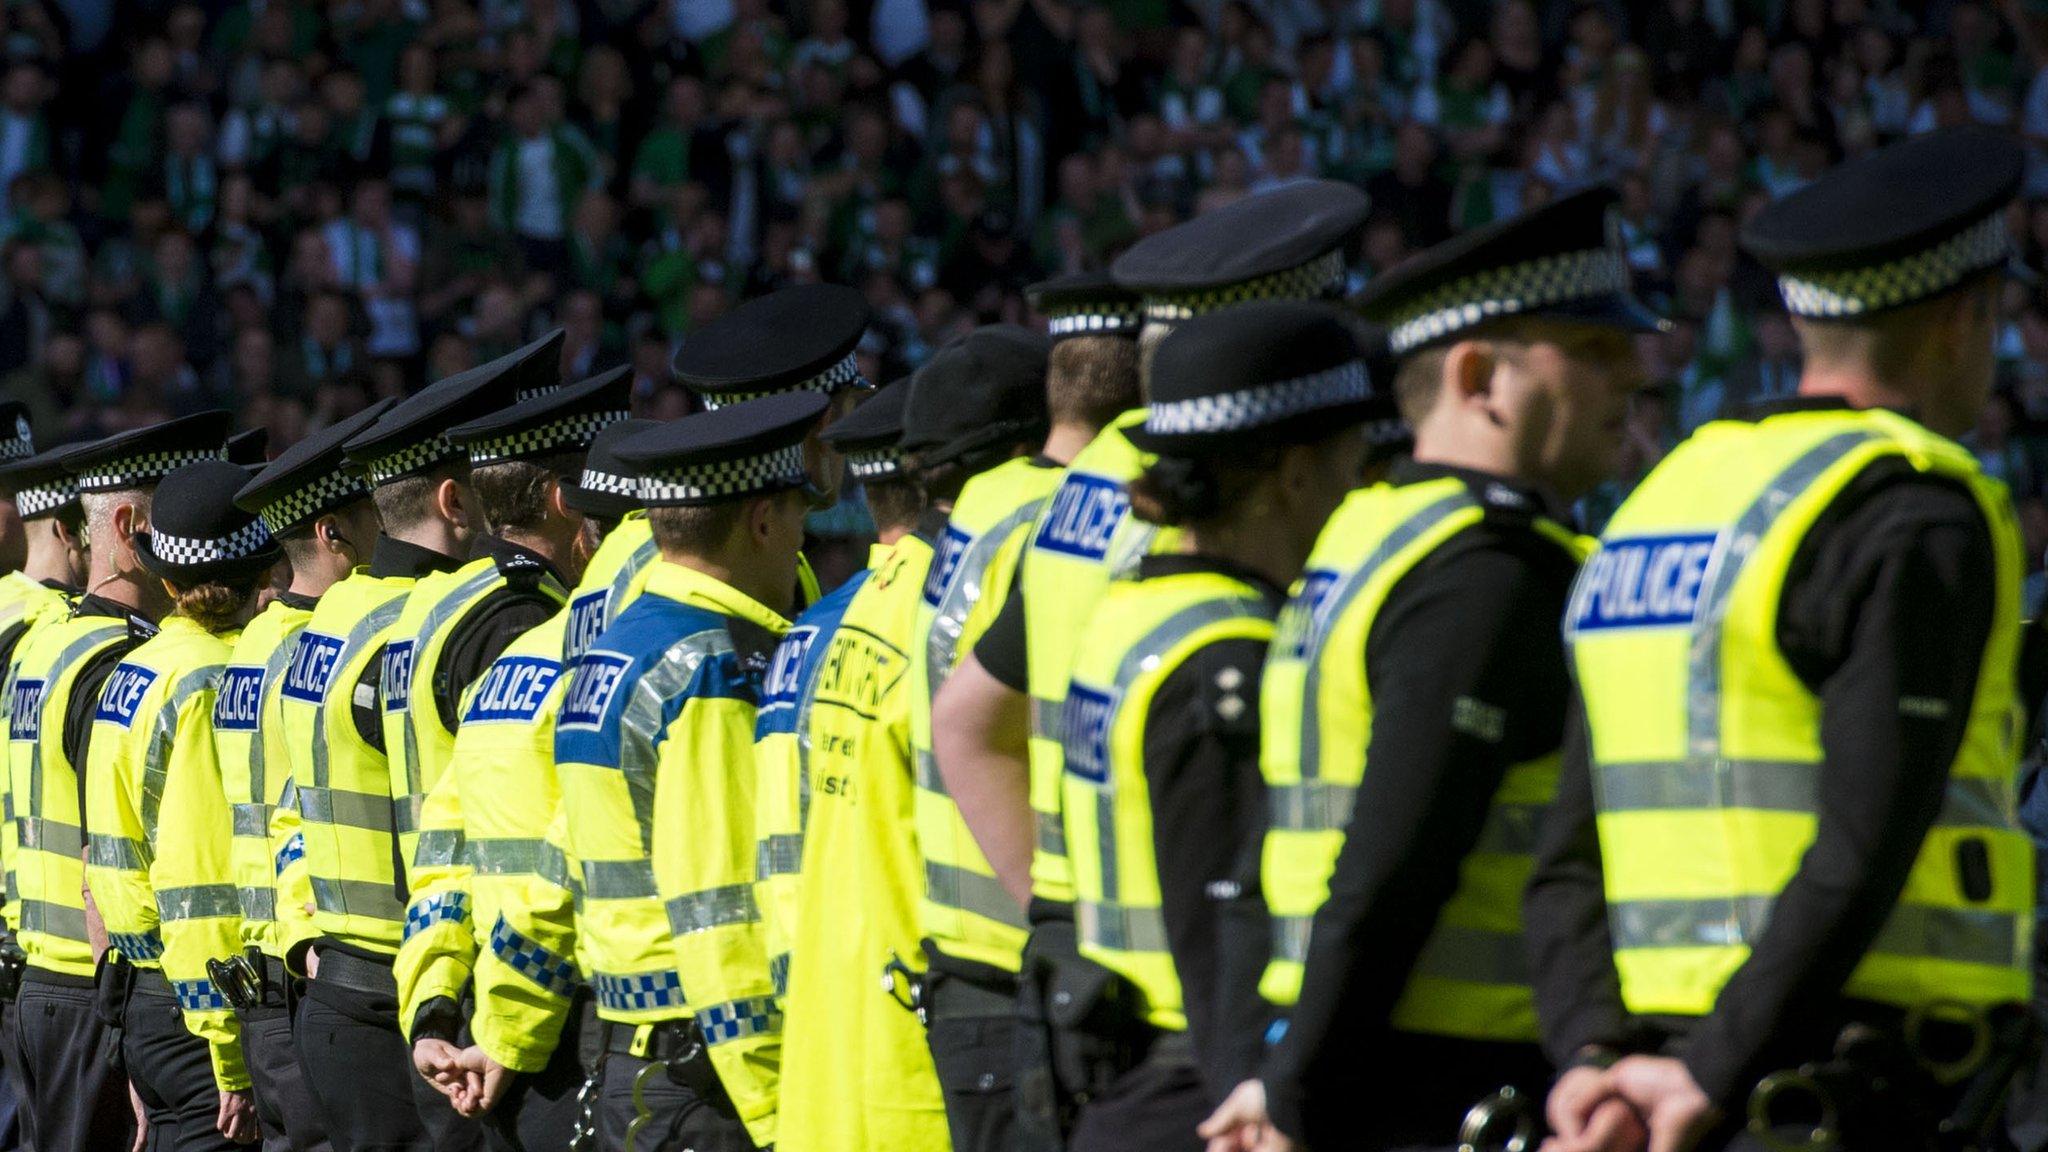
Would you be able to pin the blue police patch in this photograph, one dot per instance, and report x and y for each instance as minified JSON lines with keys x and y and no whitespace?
{"x":123,"y":692}
{"x":586,"y":623}
{"x":1642,"y":582}
{"x":945,"y":562}
{"x":1083,"y":516}
{"x":240,"y":698}
{"x":314,"y":662}
{"x":512,"y":690}
{"x":785,"y":672}
{"x":396,"y":675}
{"x":597,"y":678}
{"x":1307,"y":614}
{"x":26,"y":717}
{"x":1085,"y":719}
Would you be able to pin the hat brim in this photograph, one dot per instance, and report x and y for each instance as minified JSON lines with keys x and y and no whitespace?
{"x":1304,"y":428}
{"x":254,"y":564}
{"x":595,"y":503}
{"x":1007,"y":432}
{"x":1615,"y":310}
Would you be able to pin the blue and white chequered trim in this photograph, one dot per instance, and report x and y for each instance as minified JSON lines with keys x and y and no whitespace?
{"x":640,"y":992}
{"x":527,"y":957}
{"x":1319,"y":278}
{"x":1095,"y":320}
{"x":293,"y":851}
{"x":410,"y":459}
{"x":137,"y":947}
{"x":875,"y":464}
{"x":844,"y":374}
{"x":1928,"y":272}
{"x":739,"y":1019}
{"x":329,"y":491}
{"x":244,"y":542}
{"x":34,"y":500}
{"x":442,"y":907}
{"x":199,"y":996}
{"x":698,"y":483}
{"x":123,"y":473}
{"x":1495,"y":292}
{"x":576,"y":430}
{"x":778,"y":973}
{"x":1257,"y":407}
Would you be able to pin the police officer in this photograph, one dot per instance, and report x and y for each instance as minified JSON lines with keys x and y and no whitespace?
{"x":1788,"y":833}
{"x":17,"y":443}
{"x":76,"y":1096}
{"x":160,"y":826}
{"x":347,"y":1032}
{"x":837,"y":869}
{"x":1412,"y":704}
{"x":323,"y":518}
{"x":654,"y":747}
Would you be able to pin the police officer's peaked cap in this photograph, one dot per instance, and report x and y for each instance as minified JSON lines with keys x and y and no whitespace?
{"x":564,"y":420}
{"x":1086,"y":304}
{"x":1564,"y":259}
{"x":607,"y":487}
{"x":17,"y":442}
{"x":870,"y":437}
{"x":744,"y":449}
{"x":985,"y":390}
{"x":41,"y":485}
{"x":307,"y":480}
{"x":198,"y":533}
{"x":1287,"y":244}
{"x":1900,"y":224}
{"x":141,"y":458}
{"x":412,"y":437}
{"x":799,"y":339}
{"x":1272,"y":372}
{"x":249,"y":449}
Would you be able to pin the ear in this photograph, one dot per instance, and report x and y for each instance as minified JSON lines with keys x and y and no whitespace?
{"x":558,"y":507}
{"x":450,"y":501}
{"x":127,"y":522}
{"x":760,"y":519}
{"x":1468,"y":367}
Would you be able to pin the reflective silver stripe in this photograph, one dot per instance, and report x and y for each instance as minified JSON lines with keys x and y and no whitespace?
{"x":1045,"y":719}
{"x":377,"y":620}
{"x":357,"y":898}
{"x":659,"y":684}
{"x":619,"y":879}
{"x":273,"y":681}
{"x":156,"y":756}
{"x":958,"y":598}
{"x":405,"y":814}
{"x":505,"y":856}
{"x":253,"y":820}
{"x":1474,"y":956}
{"x":51,"y":836}
{"x":928,"y":772}
{"x":1121,"y":927}
{"x":259,"y":905}
{"x":1914,"y":930}
{"x":1773,"y":786}
{"x":197,"y":902}
{"x":438,"y":848}
{"x":779,"y":855}
{"x":1052,"y":833}
{"x":365,"y":810}
{"x":65,"y":669}
{"x":1290,"y":938}
{"x":712,"y":908}
{"x":1404,"y":535}
{"x":103,"y":850}
{"x":553,"y":867}
{"x":53,"y":919}
{"x":950,"y":886}
{"x":1310,"y":806}
{"x":458,"y":600}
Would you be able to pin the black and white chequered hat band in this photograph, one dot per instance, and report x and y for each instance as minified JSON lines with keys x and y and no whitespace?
{"x":324,"y":494}
{"x":845,"y":374}
{"x":21,"y":445}
{"x":875,"y":464}
{"x":1100,"y":321}
{"x":1315,"y":280}
{"x":781,"y":468}
{"x":147,"y":468}
{"x":43,"y":499}
{"x":1516,"y":288}
{"x":410,"y":459}
{"x":247,"y":541}
{"x":1928,"y":272}
{"x":610,"y":483}
{"x":1257,"y":407}
{"x":525,"y":394}
{"x":573,"y":431}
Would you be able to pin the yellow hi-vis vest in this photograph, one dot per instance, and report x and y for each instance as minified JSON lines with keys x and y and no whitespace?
{"x":248,"y":742}
{"x":343,"y":783}
{"x":25,"y":604}
{"x":1083,"y":540}
{"x":966,"y":910}
{"x":417,"y":741}
{"x":168,"y":900}
{"x":1706,"y":745}
{"x":1141,"y":633}
{"x":1316,"y":719}
{"x":50,"y":870}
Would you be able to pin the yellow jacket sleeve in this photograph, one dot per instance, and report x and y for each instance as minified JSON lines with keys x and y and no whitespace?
{"x":116,"y":846}
{"x":704,"y":872}
{"x":434,"y":959}
{"x":193,"y":875}
{"x":778,"y":846}
{"x":526,"y":973}
{"x":295,"y":927}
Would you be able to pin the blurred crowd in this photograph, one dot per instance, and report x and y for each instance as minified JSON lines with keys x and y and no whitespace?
{"x":292,"y":206}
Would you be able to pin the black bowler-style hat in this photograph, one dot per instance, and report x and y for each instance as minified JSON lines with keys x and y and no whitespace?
{"x":197,"y":532}
{"x":746,"y":449}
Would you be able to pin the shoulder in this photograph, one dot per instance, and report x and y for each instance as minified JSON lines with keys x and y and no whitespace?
{"x":1215,"y":689}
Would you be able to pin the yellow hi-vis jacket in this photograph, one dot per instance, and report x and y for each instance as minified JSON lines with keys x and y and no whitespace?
{"x":157,"y":853}
{"x":50,"y":868}
{"x":482,"y":828}
{"x":1316,"y":720}
{"x":835,"y":807}
{"x":1706,"y":745}
{"x":25,"y":604}
{"x":654,"y":748}
{"x":248,"y":741}
{"x":966,"y":911}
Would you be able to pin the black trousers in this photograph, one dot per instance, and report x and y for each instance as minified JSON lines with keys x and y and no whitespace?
{"x":77,"y":1094}
{"x":360,"y":1071}
{"x":171,"y":1071}
{"x":284,"y":1101}
{"x":10,"y":1051}
{"x":669,"y":1117}
{"x":1154,"y":1107}
{"x":540,"y":1111}
{"x":973,"y":1036}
